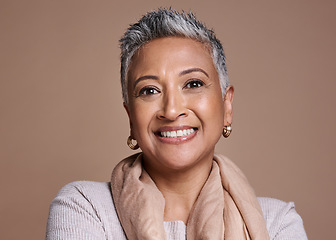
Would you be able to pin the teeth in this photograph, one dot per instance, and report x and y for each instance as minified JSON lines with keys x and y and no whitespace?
{"x":178,"y":133}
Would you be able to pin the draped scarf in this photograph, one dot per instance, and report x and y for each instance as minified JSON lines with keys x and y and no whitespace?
{"x":225,"y":208}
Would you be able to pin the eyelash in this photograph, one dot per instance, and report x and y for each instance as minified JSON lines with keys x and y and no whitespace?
{"x":194,"y":81}
{"x":145,"y":91}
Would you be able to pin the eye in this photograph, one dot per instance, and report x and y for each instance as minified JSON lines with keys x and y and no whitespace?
{"x":148,"y":91}
{"x":195,"y":83}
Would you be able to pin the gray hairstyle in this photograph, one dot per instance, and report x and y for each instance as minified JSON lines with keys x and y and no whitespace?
{"x":169,"y":23}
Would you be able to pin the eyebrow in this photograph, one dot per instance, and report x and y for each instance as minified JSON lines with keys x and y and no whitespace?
{"x":184,"y":72}
{"x":144,"y":78}
{"x":190,"y":70}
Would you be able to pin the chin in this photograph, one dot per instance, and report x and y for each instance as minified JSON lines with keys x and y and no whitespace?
{"x":181,"y":161}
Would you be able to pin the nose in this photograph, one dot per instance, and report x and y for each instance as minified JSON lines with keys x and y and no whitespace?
{"x":173,"y":106}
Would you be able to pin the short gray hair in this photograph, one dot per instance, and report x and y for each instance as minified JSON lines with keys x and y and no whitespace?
{"x":169,"y":23}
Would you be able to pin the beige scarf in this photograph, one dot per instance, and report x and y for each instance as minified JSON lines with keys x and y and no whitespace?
{"x":225,"y":208}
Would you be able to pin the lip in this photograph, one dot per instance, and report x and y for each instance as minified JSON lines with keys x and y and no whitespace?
{"x":175,"y":140}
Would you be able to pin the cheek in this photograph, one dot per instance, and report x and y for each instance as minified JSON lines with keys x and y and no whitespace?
{"x":141,"y":116}
{"x":211,"y":108}
{"x":211,"y":113}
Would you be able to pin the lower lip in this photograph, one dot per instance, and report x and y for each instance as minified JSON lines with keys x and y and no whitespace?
{"x":178,"y":140}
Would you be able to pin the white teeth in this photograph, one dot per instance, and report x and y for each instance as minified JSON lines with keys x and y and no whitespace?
{"x":178,"y":133}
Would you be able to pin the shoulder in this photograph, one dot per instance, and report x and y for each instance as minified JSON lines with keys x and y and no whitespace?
{"x":81,"y":209}
{"x":86,"y":194}
{"x":282,"y":221}
{"x":89,"y":189}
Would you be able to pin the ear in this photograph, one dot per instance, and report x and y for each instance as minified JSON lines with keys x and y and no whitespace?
{"x":228,"y":100}
{"x":126,"y":108}
{"x":129,"y":116}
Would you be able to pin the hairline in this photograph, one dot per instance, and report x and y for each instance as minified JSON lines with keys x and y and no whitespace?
{"x":197,"y":32}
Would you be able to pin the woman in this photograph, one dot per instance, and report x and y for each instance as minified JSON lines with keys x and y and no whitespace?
{"x":179,"y":103}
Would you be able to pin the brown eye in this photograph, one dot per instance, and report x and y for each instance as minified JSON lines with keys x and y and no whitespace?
{"x":148,"y":91}
{"x":194,"y":84}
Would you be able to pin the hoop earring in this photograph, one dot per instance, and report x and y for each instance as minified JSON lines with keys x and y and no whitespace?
{"x":130,"y":143}
{"x":227,"y":131}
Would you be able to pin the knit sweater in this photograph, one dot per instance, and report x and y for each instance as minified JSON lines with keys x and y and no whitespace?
{"x":85,"y":210}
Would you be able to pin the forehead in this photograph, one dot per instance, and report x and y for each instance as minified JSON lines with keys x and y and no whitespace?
{"x":175,"y":40}
{"x":171,"y":52}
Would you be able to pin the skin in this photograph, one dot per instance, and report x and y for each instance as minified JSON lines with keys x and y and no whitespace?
{"x":173,"y":85}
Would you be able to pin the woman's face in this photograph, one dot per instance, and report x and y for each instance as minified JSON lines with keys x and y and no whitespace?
{"x":175,"y":107}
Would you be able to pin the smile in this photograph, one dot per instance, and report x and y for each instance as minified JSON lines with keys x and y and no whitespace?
{"x":178,"y":133}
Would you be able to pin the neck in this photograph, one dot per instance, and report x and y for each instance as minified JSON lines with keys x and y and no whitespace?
{"x":181,"y":189}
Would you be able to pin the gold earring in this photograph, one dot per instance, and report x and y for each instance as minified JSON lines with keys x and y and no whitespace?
{"x":227,"y":131}
{"x":130,"y":143}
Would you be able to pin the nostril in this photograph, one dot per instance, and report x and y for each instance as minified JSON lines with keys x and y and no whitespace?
{"x":160,"y":116}
{"x":172,"y":110}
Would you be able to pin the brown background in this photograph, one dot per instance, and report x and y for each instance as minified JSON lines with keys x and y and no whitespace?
{"x":62,"y":118}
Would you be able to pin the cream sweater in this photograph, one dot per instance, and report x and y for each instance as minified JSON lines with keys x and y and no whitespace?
{"x":84,"y":210}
